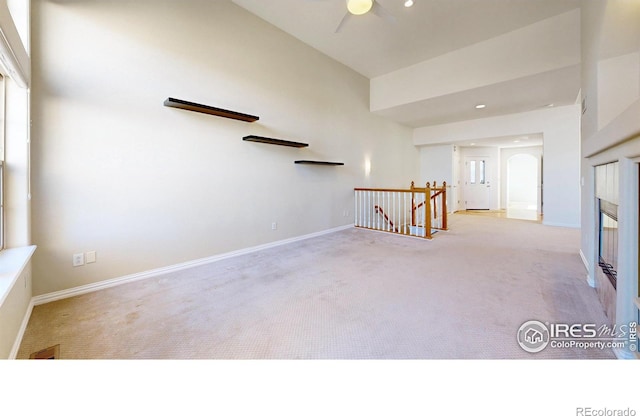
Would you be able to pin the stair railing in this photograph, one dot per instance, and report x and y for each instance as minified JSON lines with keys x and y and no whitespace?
{"x":415,"y":211}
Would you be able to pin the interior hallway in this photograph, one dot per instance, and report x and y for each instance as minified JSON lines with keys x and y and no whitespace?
{"x":354,"y":294}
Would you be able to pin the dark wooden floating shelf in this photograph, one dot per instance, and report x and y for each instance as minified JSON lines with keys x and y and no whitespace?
{"x":269,"y":140}
{"x":317,"y":162}
{"x":201,"y":108}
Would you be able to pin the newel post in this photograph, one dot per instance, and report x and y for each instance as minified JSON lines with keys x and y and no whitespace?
{"x":427,"y":211}
{"x":444,"y":205}
{"x":413,"y":204}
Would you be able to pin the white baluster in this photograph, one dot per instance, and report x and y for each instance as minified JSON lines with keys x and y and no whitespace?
{"x":359,"y":210}
{"x":404,"y":222}
{"x":374,"y":199}
{"x":380,"y":203}
{"x":385,"y":202}
{"x":380,"y":210}
{"x":395,"y":221}
{"x":377,"y":217}
{"x":368,"y":208}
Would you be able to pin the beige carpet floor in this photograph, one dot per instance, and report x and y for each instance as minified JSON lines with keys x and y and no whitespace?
{"x":354,"y":294}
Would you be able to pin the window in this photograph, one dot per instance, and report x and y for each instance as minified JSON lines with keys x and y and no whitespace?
{"x":477,"y":172}
{"x":607,"y":217}
{"x":472,"y":172}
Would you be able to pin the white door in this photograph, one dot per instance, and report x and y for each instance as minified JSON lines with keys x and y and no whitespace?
{"x":477,"y":183}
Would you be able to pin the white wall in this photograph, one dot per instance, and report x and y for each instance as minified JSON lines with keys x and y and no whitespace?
{"x":437,"y":164}
{"x":618,"y":86}
{"x":148,"y":186}
{"x":560,"y":128}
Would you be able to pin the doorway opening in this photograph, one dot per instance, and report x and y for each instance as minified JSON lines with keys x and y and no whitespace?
{"x":522,"y":187}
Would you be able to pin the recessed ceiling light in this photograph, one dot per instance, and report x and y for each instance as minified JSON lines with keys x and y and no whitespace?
{"x":408,"y":3}
{"x":516,"y":141}
{"x":472,"y":144}
{"x":359,"y":7}
{"x":480,"y":106}
{"x":550,"y":105}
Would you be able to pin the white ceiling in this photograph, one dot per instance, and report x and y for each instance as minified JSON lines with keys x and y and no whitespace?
{"x":374,"y":46}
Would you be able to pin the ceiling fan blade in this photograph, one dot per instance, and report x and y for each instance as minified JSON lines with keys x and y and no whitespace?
{"x":383,"y":13}
{"x":344,"y":21}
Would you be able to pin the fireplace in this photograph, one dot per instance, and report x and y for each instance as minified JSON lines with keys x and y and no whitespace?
{"x":607,"y":200}
{"x":608,"y":240}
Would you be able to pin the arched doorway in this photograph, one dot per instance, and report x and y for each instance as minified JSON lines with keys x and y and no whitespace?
{"x":522,"y":187}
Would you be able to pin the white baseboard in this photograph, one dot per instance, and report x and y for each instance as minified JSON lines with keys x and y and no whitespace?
{"x":590,"y":281}
{"x":584,"y":261}
{"x":93,"y":287}
{"x":23,"y":327}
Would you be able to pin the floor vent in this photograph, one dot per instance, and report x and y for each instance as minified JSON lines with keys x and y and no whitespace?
{"x":50,"y":353}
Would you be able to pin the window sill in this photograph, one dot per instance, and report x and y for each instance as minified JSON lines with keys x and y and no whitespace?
{"x":12,"y":263}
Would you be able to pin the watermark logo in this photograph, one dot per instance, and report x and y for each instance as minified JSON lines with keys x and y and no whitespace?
{"x":590,"y":411}
{"x":534,"y":336}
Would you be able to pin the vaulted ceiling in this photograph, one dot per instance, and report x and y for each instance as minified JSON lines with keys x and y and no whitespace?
{"x":434,"y":62}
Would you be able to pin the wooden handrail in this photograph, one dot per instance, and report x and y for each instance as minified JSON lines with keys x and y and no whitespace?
{"x":441,"y":189}
{"x":437,"y":193}
{"x":382,"y":189}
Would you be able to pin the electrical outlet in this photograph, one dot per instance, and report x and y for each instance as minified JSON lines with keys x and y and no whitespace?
{"x":78,"y":259}
{"x":90,"y":257}
{"x":274,"y":225}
